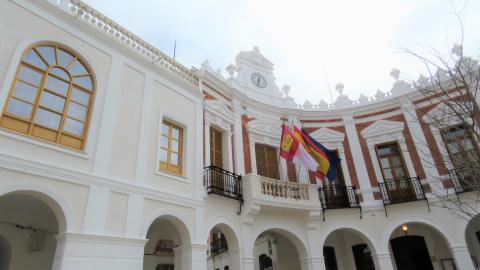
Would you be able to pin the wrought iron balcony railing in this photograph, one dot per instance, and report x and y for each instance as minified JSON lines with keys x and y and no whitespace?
{"x":402,"y":190}
{"x":218,"y":246}
{"x":466,"y":178}
{"x":224,"y":183}
{"x":338,"y":197}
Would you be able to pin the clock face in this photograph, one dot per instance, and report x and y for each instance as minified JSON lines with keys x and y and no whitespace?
{"x":258,"y":80}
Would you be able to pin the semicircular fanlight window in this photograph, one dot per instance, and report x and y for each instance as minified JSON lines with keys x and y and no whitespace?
{"x":51,"y":96}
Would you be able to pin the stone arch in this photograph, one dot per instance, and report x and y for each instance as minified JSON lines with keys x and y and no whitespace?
{"x":180,"y":222}
{"x":59,"y":205}
{"x":443,"y":232}
{"x":366,"y":236}
{"x":229,"y":230}
{"x":347,"y":245}
{"x":298,"y":241}
{"x":436,"y":241}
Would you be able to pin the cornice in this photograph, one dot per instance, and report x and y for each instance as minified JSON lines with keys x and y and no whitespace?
{"x":34,"y":168}
{"x":77,"y":11}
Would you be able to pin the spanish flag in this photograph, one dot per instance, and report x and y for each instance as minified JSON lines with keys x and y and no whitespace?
{"x":327,"y":160}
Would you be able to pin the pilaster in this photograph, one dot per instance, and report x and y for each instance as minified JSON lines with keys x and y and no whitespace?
{"x":238,"y":137}
{"x":359,"y":161}
{"x":96,"y":211}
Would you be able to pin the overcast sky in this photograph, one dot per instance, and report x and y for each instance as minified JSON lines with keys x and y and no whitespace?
{"x":349,"y":41}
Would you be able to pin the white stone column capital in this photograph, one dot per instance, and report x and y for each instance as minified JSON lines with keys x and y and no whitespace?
{"x":383,"y":260}
{"x":462,"y":257}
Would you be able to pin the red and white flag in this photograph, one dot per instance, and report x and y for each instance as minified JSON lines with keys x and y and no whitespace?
{"x":292,"y":149}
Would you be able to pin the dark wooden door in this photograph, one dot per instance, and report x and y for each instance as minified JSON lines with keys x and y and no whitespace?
{"x":363,"y":257}
{"x":411,"y":253}
{"x":330,"y":259}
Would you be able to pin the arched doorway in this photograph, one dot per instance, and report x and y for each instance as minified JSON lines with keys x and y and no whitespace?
{"x":472,"y":236}
{"x":418,"y":246}
{"x":277,"y":249}
{"x":29,"y":226}
{"x":223,"y":249}
{"x":167,"y":237}
{"x":347,"y":249}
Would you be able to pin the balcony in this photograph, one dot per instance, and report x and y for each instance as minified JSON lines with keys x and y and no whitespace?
{"x":338,"y":197}
{"x":223,"y":183}
{"x":465,"y":179}
{"x":218,"y":246}
{"x":279,"y":193}
{"x":402,"y":190}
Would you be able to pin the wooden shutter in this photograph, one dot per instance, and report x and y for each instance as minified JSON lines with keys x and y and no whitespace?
{"x":267,"y":161}
{"x":216,"y":148}
{"x":292,"y":172}
{"x":261,"y":160}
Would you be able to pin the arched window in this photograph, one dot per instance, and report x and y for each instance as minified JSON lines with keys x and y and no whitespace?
{"x":51,"y":96}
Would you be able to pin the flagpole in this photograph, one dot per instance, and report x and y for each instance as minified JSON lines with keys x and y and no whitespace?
{"x":279,"y":157}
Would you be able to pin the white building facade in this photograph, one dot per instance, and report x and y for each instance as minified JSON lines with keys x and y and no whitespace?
{"x":114,"y":156}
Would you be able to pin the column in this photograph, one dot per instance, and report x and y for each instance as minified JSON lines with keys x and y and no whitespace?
{"x":315,"y":259}
{"x":96,"y":212}
{"x":359,"y":161}
{"x":462,"y":257}
{"x":318,"y":263}
{"x":248,"y":263}
{"x":194,"y":257}
{"x":238,"y":137}
{"x":229,"y":151}
{"x":383,"y":260}
{"x":177,"y":252}
{"x":207,"y":143}
{"x":235,"y":257}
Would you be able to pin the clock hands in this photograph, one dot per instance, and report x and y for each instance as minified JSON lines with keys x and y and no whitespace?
{"x":258,"y":81}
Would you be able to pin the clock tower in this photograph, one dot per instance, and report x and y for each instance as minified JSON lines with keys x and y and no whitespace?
{"x":255,"y":76}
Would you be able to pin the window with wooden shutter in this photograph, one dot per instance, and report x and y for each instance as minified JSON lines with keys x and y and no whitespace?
{"x":292,"y":172}
{"x":391,"y":161}
{"x":171,"y":157}
{"x":216,"y":148}
{"x":340,"y":179}
{"x":461,"y":146}
{"x":267,"y":161}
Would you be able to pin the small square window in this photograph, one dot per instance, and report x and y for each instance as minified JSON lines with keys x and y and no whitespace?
{"x":171,"y":148}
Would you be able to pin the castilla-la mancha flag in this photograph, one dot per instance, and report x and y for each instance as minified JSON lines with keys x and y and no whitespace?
{"x":293,"y":150}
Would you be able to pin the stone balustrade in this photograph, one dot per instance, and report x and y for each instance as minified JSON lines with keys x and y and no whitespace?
{"x":100,"y":22}
{"x":282,"y":189}
{"x":279,"y":193}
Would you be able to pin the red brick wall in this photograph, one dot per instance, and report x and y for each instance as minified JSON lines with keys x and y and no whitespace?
{"x":432,"y":145}
{"x":246,"y":145}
